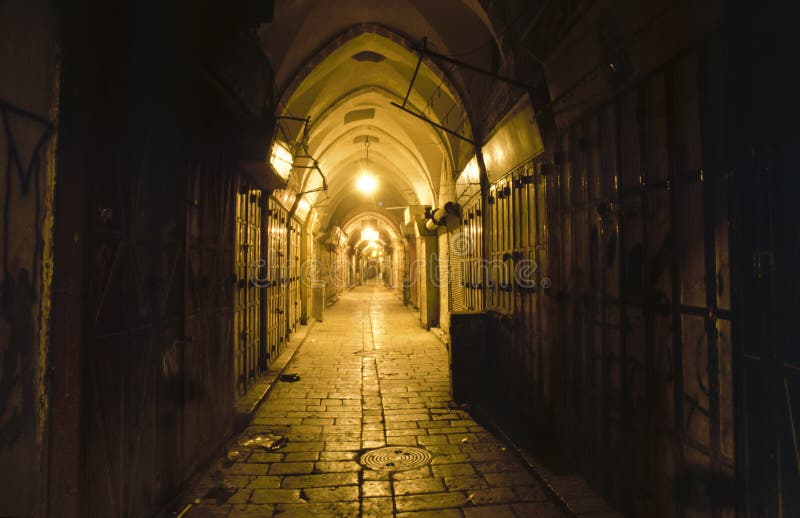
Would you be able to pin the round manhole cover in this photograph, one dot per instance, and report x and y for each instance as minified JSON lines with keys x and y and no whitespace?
{"x":395,"y":458}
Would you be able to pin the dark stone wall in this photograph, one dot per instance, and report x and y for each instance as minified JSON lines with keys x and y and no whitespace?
{"x":28,"y":109}
{"x":153,"y":110}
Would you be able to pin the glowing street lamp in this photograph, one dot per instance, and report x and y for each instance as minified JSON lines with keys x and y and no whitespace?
{"x":369,"y":234}
{"x":366,"y":183}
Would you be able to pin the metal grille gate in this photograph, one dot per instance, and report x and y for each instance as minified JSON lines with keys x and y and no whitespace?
{"x":454,"y":275}
{"x":609,"y":282}
{"x":136,"y":301}
{"x":276,"y":275}
{"x":207,"y":352}
{"x":471,"y":254}
{"x":247,"y":302}
{"x":293,"y":287}
{"x":158,"y":348}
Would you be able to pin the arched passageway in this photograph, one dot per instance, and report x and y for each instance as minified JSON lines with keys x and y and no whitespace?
{"x":547,"y":243}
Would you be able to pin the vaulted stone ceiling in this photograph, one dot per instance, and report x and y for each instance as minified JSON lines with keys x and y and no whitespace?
{"x":342,"y":63}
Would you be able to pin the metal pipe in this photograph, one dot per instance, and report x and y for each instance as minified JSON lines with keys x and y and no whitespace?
{"x":291,"y":118}
{"x":675,"y":163}
{"x":791,"y":423}
{"x":709,"y":208}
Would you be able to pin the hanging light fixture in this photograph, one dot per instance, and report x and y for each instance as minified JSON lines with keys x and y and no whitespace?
{"x":370,"y":234}
{"x":366,"y":183}
{"x":369,"y":230}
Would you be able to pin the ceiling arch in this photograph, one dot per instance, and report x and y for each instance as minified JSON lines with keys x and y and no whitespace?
{"x":333,"y":79}
{"x":407,"y":155}
{"x":352,"y":224}
{"x":361,"y":96}
{"x":303,"y":28}
{"x":353,"y":69}
{"x":400,"y":146}
{"x":353,"y":37}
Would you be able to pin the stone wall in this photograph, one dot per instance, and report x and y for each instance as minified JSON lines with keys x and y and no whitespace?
{"x":28,"y":111}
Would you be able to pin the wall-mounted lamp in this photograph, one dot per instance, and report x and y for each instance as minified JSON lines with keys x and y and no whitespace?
{"x":281,"y":159}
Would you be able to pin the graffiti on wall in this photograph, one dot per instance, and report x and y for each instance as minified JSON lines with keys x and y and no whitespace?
{"x":23,"y":136}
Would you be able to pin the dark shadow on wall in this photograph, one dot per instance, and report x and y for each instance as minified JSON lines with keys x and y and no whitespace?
{"x":16,"y":385}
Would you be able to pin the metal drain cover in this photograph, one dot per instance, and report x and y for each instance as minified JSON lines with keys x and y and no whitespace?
{"x":396,"y":458}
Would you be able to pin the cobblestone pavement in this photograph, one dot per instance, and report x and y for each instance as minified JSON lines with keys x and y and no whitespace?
{"x":369,"y":377}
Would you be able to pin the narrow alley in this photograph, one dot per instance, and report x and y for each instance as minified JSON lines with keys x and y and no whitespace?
{"x":370,"y":377}
{"x":393,"y":258}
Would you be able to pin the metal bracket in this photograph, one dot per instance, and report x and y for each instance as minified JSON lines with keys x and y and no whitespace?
{"x":423,"y":50}
{"x":416,"y":71}
{"x":435,"y":124}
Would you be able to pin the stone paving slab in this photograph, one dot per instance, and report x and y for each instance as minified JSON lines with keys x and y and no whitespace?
{"x":370,"y":377}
